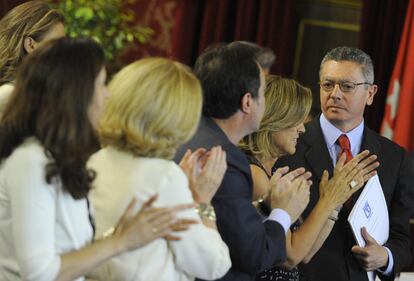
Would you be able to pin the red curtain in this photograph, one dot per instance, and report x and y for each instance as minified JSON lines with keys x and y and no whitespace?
{"x":159,"y":15}
{"x":381,"y":26}
{"x":267,"y":22}
{"x":273,"y":23}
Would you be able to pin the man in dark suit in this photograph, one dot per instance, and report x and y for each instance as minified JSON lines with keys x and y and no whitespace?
{"x":233,"y":105}
{"x":346,"y":87}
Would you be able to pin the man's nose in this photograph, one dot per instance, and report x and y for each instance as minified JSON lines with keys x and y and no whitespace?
{"x":336,"y":92}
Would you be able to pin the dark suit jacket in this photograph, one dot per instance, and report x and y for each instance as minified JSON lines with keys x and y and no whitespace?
{"x":334,"y":261}
{"x":254,"y":246}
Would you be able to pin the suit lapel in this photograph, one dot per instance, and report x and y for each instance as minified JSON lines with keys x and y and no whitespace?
{"x":369,"y":142}
{"x":317,"y":154}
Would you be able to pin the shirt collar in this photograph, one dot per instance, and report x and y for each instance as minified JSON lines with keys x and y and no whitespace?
{"x":332,"y":133}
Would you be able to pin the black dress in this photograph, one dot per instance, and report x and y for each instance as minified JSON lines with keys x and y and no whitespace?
{"x":275,"y":273}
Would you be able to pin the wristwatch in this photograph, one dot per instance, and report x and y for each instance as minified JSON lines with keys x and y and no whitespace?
{"x":263,"y":207}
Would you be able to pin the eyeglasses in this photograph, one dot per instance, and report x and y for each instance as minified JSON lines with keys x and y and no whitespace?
{"x":344,"y":86}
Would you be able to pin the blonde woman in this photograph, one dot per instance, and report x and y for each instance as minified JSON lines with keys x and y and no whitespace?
{"x":154,"y":106}
{"x":287,"y":105}
{"x":22,"y":30}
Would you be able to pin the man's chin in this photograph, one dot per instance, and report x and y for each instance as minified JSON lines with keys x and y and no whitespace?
{"x":334,"y":115}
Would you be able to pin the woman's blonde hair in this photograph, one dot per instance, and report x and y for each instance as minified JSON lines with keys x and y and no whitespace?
{"x":31,"y":19}
{"x":287,"y":105}
{"x":154,"y":106}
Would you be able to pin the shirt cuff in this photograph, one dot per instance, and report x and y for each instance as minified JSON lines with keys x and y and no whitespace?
{"x":388,"y":271}
{"x":280,"y":216}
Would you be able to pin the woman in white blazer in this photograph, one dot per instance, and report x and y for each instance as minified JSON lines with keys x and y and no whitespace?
{"x":154,"y":106}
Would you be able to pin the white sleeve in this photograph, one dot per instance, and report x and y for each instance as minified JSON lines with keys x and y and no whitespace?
{"x":201,"y":252}
{"x":33,"y":216}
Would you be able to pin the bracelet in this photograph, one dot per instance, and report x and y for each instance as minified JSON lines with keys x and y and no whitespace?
{"x":333,"y":216}
{"x":206,"y":211}
{"x":106,"y":234}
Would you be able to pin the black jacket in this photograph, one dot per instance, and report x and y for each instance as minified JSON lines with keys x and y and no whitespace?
{"x":334,"y":261}
{"x":253,"y":245}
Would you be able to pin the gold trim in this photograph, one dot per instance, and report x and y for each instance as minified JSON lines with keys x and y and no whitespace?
{"x":322,"y":23}
{"x":343,"y":3}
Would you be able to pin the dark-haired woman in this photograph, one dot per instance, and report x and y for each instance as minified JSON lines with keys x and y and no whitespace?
{"x":46,"y":136}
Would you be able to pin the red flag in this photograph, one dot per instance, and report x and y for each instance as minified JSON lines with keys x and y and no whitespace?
{"x":398,"y":122}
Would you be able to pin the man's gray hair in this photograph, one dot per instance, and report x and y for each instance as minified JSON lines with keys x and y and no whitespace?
{"x":355,"y":55}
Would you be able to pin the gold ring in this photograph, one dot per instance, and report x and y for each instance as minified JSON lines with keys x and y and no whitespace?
{"x":353,"y":184}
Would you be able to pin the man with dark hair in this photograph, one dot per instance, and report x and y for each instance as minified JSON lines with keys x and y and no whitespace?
{"x":265,"y":57}
{"x":346,"y":87}
{"x":233,"y":92}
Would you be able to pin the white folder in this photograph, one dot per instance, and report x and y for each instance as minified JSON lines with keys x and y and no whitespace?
{"x":370,"y":211}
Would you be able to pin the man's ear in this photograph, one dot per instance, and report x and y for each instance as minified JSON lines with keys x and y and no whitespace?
{"x":29,"y":44}
{"x":246,"y":103}
{"x":371,"y":93}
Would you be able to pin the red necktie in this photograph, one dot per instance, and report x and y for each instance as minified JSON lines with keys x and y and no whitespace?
{"x":345,"y":146}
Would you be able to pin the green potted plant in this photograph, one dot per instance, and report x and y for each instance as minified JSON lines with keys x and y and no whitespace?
{"x":110,"y":22}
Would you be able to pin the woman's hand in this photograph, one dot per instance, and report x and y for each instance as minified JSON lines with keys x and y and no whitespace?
{"x":137,"y":229}
{"x":347,"y":178}
{"x":178,"y":226}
